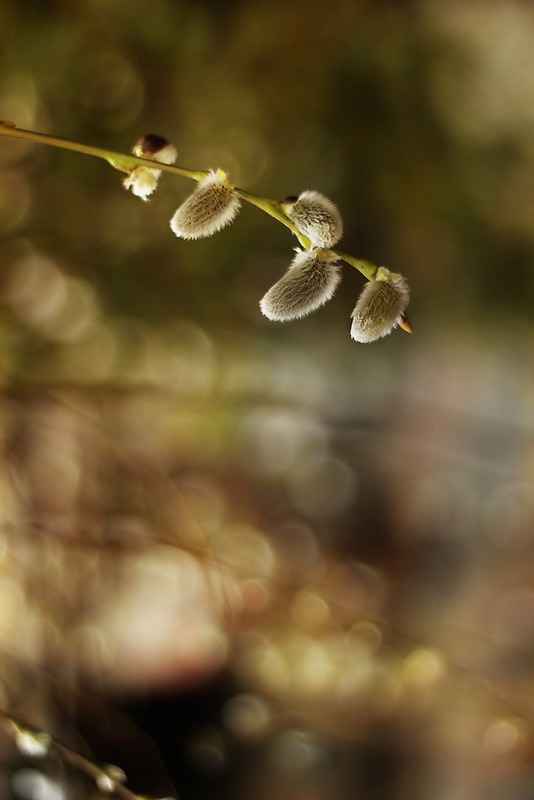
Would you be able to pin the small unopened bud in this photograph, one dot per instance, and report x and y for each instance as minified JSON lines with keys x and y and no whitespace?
{"x":32,"y":743}
{"x":309,"y":283}
{"x":108,"y":779}
{"x":155,"y":147}
{"x":212,"y":206}
{"x":316,"y":217}
{"x":144,"y":180}
{"x":105,"y":784}
{"x":380,"y":307}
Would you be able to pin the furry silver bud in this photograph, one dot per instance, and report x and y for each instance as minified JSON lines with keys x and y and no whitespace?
{"x":310,"y":281}
{"x":380,"y":307}
{"x":212,"y":206}
{"x":316,"y":217}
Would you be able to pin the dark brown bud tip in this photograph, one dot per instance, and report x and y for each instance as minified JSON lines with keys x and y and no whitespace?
{"x":287,"y":201}
{"x":149,"y":144}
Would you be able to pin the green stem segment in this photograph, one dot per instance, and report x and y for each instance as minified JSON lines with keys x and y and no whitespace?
{"x":120,"y":161}
{"x":365,"y":267}
{"x":272,"y":207}
{"x":126,"y":163}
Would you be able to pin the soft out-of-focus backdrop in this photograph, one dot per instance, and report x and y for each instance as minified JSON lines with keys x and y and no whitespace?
{"x":259,"y":560}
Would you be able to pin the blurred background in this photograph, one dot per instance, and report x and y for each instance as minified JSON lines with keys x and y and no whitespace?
{"x":248,"y":560}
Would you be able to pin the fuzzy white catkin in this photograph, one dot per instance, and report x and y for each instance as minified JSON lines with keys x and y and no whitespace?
{"x":309,"y":282}
{"x":142,"y":181}
{"x":316,"y":217}
{"x":212,"y":206}
{"x":379,"y":308}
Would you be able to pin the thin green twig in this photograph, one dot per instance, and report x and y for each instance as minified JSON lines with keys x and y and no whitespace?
{"x":127,"y":162}
{"x":121,"y":161}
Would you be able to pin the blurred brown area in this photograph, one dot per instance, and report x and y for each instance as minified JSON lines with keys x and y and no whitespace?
{"x":257,"y":560}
